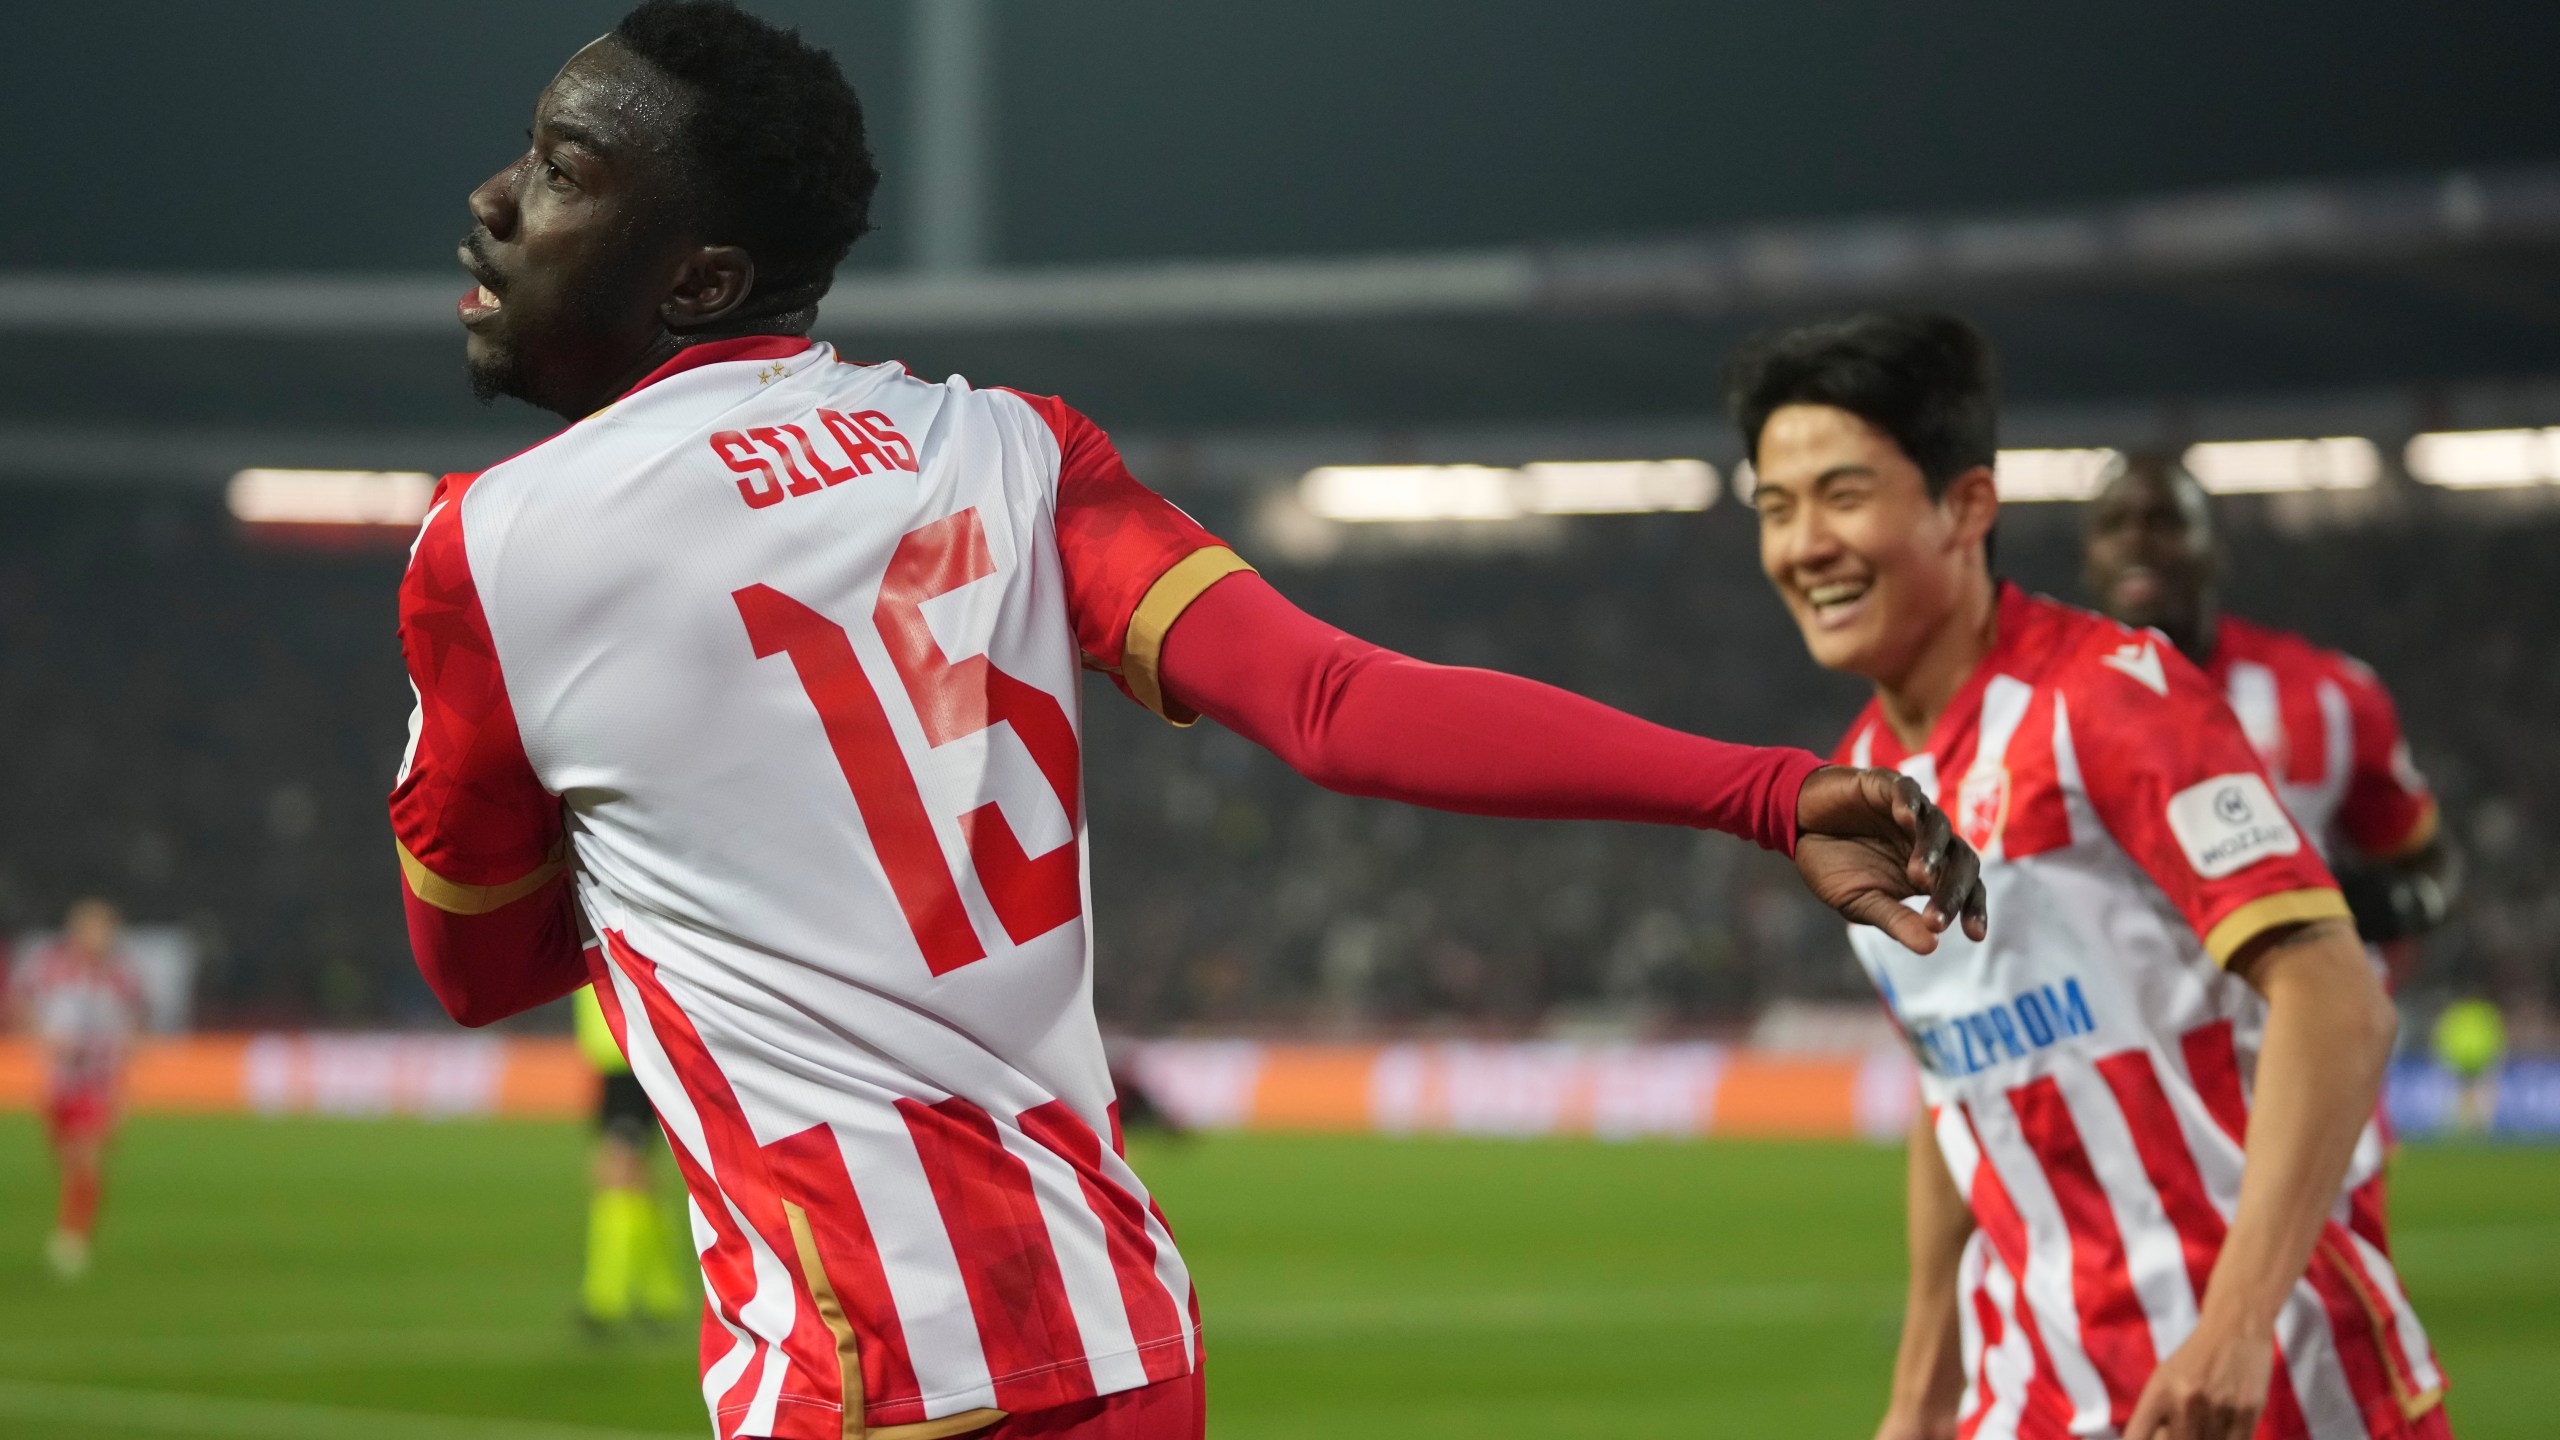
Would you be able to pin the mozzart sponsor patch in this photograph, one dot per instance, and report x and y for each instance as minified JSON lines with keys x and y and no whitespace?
{"x":2230,"y":821}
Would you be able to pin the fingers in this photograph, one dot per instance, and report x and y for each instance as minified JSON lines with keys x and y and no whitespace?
{"x":1875,"y":908}
{"x":1929,"y":832}
{"x":1959,"y":889}
{"x":1904,"y":832}
{"x":2169,"y":1410}
{"x":2244,"y":1423}
{"x":1941,"y":866}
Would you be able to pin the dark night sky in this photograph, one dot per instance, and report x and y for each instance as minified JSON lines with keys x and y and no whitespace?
{"x":328,"y":135}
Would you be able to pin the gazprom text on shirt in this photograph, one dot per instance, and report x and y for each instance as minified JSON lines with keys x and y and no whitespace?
{"x":2030,"y":1020}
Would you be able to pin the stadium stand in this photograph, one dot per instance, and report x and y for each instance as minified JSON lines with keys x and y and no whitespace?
{"x":218,"y":721}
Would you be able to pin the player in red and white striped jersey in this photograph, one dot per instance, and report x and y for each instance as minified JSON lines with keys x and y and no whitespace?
{"x":83,"y":1006}
{"x":2147,"y":1093}
{"x":753,"y":695}
{"x":2321,"y":721}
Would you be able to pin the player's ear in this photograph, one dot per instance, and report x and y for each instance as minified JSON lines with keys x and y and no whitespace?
{"x":711,"y":284}
{"x":1972,"y":501}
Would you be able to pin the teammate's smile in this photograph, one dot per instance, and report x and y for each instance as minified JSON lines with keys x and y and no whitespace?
{"x":1836,"y":603}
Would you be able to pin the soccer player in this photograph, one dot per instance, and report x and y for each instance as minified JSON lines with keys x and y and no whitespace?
{"x":631,"y":1269}
{"x":81,"y":1003}
{"x":765,"y":667}
{"x":2321,"y":722}
{"x":2147,"y":1092}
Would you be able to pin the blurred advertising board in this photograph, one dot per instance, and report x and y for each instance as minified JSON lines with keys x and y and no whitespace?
{"x":351,"y":1074}
{"x":1489,"y":1088}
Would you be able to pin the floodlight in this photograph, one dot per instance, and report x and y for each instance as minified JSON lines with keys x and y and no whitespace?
{"x":331,"y":497}
{"x":2483,"y":459}
{"x":2335,"y":462}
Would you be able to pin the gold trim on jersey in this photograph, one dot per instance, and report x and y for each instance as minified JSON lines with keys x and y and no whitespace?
{"x":456,"y":898}
{"x":967,"y":1422}
{"x":2292,"y":907}
{"x":1164,"y":602}
{"x":822,"y":1292}
{"x":2413,"y":1401}
{"x":813,"y":1273}
{"x":2420,"y":836}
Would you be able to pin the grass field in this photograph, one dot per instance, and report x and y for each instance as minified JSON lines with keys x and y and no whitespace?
{"x":320,"y":1280}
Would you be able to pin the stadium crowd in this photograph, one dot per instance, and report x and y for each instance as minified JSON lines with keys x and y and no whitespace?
{"x":204,"y":726}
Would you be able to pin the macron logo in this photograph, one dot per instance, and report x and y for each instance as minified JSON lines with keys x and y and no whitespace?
{"x":2141,"y":660}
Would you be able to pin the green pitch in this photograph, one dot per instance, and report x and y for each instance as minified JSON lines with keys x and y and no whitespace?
{"x":318,"y":1280}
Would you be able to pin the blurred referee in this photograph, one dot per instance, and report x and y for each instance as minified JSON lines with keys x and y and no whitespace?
{"x":631,"y":1272}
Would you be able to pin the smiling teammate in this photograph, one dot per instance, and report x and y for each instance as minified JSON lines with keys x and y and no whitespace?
{"x":2147,"y":1093}
{"x":2322,"y":723}
{"x":764,"y":670}
{"x":2321,"y":720}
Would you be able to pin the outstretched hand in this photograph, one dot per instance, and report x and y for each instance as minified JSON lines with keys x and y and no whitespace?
{"x":1866,"y":840}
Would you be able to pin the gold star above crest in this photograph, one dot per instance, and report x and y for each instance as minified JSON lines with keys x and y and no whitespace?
{"x":771,"y":373}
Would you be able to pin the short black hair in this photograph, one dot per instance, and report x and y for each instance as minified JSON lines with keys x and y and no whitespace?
{"x":1927,"y":379}
{"x":775,"y":143}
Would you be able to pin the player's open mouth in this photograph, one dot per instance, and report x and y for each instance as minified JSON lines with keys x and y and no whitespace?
{"x":478,"y":303}
{"x":2137,"y":585}
{"x":1837,"y":603}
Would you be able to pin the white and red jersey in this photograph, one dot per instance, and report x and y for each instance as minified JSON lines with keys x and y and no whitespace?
{"x":2088,"y":1067}
{"x":85,"y":1012}
{"x":2330,"y":738}
{"x":778,"y":654}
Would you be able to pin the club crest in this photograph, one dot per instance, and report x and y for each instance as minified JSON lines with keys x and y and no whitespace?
{"x":1982,"y":805}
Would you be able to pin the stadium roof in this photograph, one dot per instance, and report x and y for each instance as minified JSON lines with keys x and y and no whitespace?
{"x":2303,"y":287}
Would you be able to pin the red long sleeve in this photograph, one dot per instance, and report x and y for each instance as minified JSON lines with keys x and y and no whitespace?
{"x":501,"y":962}
{"x":491,"y":921}
{"x":1365,"y":721}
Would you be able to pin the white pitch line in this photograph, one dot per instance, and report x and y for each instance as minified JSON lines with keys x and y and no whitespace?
{"x":73,"y":1408}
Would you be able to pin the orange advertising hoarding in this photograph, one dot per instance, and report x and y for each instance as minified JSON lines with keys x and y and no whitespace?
{"x":1520,"y":1088}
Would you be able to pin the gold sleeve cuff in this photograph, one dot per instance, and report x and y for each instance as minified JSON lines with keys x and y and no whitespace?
{"x":457,"y":899}
{"x":2293,"y":907}
{"x":1164,"y":602}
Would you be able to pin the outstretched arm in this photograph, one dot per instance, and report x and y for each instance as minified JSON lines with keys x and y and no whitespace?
{"x":1366,"y":721}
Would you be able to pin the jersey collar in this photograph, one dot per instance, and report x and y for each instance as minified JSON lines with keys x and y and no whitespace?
{"x":713,"y":352}
{"x":2013,"y":610}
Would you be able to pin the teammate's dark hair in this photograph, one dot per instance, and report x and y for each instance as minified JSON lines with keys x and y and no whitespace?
{"x":1928,"y":380}
{"x":776,"y":145}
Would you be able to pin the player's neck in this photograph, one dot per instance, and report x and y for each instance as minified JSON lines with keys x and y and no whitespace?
{"x":2196,"y":641}
{"x":1913,"y":700}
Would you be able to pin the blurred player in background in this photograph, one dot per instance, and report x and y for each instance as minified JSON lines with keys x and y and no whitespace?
{"x":2321,"y":721}
{"x":631,"y":1265}
{"x":2148,"y":1090}
{"x":767,"y":664}
{"x":80,"y":1002}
